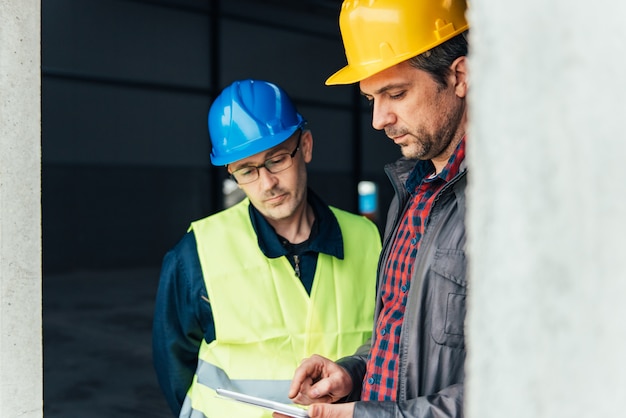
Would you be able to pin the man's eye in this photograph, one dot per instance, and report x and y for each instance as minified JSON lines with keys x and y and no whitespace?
{"x":397,"y":96}
{"x":245,"y":172}
{"x":276,"y":160}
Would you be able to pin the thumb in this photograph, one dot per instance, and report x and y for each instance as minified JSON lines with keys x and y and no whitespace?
{"x":325,"y":410}
{"x":317,"y":410}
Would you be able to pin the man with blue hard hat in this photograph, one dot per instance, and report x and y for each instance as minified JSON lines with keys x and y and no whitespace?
{"x":252,"y":290}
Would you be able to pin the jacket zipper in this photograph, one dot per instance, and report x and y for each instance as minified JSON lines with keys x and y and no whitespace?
{"x":296,"y":262}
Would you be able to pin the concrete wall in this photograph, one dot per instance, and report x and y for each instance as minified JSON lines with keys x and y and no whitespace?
{"x":547,"y":210}
{"x":20,"y":214}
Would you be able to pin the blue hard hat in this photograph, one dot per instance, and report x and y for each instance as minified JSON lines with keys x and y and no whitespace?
{"x":248,"y":117}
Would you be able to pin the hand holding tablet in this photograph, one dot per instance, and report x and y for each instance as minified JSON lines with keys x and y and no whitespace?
{"x":289,"y":410}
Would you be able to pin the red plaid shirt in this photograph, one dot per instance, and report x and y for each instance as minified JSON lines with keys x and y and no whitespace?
{"x":380,"y":381}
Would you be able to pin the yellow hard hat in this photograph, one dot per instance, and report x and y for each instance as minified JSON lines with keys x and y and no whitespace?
{"x":378,"y":34}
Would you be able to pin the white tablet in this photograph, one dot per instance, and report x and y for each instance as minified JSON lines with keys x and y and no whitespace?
{"x":289,"y":410}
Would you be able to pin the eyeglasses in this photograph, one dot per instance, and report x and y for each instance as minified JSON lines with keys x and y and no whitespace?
{"x":274,"y":165}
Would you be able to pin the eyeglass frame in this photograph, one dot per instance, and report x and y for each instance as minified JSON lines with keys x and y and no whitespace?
{"x":266,"y":162}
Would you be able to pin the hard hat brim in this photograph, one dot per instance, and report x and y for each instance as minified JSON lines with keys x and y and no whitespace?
{"x":253,"y":147}
{"x":351,"y":74}
{"x":346,"y":75}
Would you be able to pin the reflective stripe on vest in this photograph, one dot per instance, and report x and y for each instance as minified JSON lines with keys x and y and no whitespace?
{"x":265,"y":322}
{"x":188,"y":411}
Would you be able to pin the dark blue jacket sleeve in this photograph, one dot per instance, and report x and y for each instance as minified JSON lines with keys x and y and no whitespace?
{"x":181,"y":319}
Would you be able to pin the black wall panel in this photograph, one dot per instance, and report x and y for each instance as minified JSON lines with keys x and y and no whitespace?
{"x":126,"y":86}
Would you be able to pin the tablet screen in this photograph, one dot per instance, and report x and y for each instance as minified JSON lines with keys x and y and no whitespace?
{"x":289,"y":410}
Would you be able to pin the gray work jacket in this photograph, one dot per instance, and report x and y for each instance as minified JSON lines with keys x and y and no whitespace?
{"x":432,"y":343}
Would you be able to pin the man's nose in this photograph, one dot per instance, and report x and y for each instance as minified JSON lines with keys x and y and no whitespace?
{"x":382,"y":116}
{"x":267,"y":179}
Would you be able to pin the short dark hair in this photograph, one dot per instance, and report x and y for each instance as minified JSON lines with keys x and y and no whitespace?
{"x":437,"y":60}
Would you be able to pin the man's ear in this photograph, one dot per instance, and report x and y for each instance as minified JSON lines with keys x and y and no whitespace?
{"x":306,"y":146}
{"x":229,"y":172}
{"x":459,"y":72}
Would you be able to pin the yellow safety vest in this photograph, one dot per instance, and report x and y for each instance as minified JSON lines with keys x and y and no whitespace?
{"x":265,"y":322}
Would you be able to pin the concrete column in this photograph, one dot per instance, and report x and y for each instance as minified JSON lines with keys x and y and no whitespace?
{"x":21,"y":391}
{"x":547,"y":214}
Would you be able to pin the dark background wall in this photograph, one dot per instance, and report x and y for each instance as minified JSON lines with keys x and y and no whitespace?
{"x":126,"y":86}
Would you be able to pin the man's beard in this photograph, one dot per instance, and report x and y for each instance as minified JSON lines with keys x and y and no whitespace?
{"x":424,"y":145}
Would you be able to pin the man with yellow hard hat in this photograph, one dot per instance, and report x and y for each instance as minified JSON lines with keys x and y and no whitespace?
{"x":409,"y":58}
